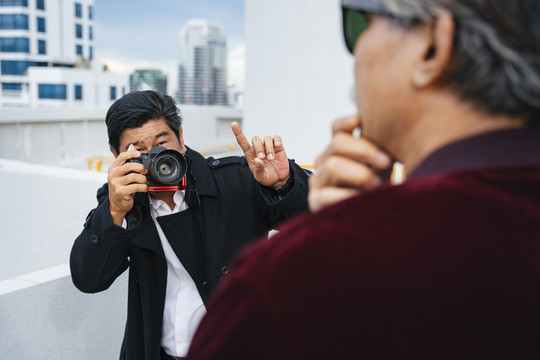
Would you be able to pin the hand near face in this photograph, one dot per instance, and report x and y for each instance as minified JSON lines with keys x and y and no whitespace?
{"x":125,"y":179}
{"x":349,"y":166}
{"x":266,"y":158}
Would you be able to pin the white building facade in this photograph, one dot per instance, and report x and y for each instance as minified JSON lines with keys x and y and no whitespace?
{"x":46,"y":52}
{"x":202,"y":69}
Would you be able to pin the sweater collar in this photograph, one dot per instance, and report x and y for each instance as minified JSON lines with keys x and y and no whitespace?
{"x":503,"y":148}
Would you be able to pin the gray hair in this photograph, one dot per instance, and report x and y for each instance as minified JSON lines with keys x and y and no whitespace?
{"x":496,"y":54}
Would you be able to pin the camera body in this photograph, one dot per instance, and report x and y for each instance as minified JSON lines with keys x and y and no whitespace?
{"x":165,"y":169}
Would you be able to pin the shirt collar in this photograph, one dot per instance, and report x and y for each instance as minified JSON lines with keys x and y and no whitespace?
{"x":178,"y":199}
{"x":503,"y":148}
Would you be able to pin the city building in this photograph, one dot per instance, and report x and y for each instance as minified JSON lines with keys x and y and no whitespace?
{"x":148,"y":80}
{"x":46,"y":52}
{"x":202,"y":69}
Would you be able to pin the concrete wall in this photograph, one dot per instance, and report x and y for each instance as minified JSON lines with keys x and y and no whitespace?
{"x":299,"y":75}
{"x":68,"y":136}
{"x":45,"y":317}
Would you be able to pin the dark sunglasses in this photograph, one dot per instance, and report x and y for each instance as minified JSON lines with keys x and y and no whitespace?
{"x":356,"y":19}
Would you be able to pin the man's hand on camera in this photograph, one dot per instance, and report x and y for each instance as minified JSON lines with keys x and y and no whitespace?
{"x":125,"y":179}
{"x":266,"y":158}
{"x":349,"y":166}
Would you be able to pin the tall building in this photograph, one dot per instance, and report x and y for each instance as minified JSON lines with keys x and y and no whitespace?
{"x":46,"y":52}
{"x":148,"y":80}
{"x":202,"y":70}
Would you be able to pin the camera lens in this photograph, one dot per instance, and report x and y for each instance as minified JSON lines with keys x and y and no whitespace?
{"x":166,"y":168}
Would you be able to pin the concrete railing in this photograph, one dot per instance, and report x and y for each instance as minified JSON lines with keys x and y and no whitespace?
{"x":45,"y":317}
{"x":69,"y":136}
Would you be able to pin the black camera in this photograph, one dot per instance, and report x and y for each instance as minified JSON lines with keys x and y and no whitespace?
{"x":165,"y":169}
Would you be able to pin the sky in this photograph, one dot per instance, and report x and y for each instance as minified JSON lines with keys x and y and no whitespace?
{"x":143,"y":34}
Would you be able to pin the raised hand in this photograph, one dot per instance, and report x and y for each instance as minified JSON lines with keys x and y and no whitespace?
{"x":266,"y":158}
{"x":349,"y":166}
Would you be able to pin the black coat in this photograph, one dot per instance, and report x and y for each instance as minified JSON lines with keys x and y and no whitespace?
{"x":235,"y":209}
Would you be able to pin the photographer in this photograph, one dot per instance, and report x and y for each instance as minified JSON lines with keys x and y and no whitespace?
{"x":176,"y":243}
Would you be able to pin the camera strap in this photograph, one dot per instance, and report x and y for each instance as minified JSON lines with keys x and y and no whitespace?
{"x":192,"y":195}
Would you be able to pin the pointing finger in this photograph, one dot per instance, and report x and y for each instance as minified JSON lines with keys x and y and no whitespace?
{"x":240,"y":137}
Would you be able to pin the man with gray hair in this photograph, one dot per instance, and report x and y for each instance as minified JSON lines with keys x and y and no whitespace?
{"x":444,"y":266}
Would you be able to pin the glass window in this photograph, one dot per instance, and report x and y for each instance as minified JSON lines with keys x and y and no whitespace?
{"x":40,"y":4}
{"x":79,"y":50}
{"x":90,"y":12}
{"x":42,"y":47}
{"x":12,"y":86}
{"x":78,"y":10}
{"x":78,"y":31}
{"x":21,"y":45}
{"x":91,"y":32}
{"x":14,"y":3}
{"x":90,"y":52}
{"x":78,"y":92}
{"x":113,"y":93}
{"x":13,"y":22}
{"x":52,"y":91}
{"x":13,"y":67}
{"x":41,"y":24}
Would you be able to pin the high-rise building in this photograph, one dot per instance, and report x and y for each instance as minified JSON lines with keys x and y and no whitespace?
{"x":202,"y":70}
{"x":46,"y":52}
{"x":148,"y":80}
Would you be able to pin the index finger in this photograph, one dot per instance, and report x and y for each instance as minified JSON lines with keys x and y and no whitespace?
{"x":346,"y":124}
{"x":130,"y":153}
{"x":240,"y":137}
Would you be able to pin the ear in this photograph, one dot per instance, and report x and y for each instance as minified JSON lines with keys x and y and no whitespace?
{"x":436,"y":51}
{"x":113,"y":152}
{"x":181,"y":139}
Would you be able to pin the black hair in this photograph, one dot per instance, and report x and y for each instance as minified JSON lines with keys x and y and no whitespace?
{"x":137,"y":108}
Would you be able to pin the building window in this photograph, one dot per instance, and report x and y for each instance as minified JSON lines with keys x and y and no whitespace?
{"x":41,"y":24}
{"x":113,"y":93}
{"x":13,"y":22}
{"x":78,"y":92}
{"x":42,"y":47}
{"x":14,"y":3}
{"x":91,"y":32}
{"x":78,"y":10}
{"x":12,"y":86}
{"x":13,"y":67}
{"x":90,"y":12}
{"x":79,"y":50}
{"x":52,"y":91}
{"x":90,"y":52}
{"x":78,"y":31}
{"x":40,"y":4}
{"x":20,"y":45}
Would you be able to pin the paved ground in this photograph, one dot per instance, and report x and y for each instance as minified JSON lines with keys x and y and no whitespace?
{"x":42,"y":209}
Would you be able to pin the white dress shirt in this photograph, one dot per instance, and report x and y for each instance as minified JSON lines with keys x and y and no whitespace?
{"x":184,"y":307}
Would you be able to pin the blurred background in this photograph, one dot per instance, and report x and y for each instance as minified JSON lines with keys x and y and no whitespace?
{"x":274,"y":66}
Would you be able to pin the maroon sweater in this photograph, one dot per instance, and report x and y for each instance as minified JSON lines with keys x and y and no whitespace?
{"x":446,"y":266}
